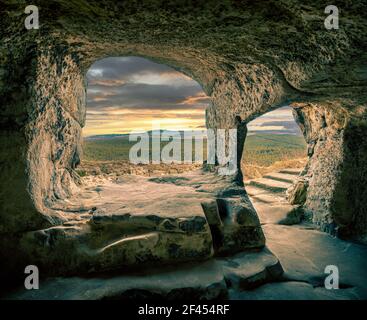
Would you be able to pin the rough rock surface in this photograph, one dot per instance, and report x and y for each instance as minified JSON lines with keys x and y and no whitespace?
{"x":336,"y":171}
{"x":252,"y":269}
{"x":297,"y":193}
{"x":202,"y":281}
{"x":137,"y":221}
{"x":304,"y":253}
{"x":250,"y":57}
{"x":304,"y":260}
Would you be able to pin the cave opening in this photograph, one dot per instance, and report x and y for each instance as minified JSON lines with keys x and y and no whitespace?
{"x":275,"y":155}
{"x":248,"y":59}
{"x":137,"y":105}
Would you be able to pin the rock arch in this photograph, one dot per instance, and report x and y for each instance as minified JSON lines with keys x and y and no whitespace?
{"x":243,"y":67}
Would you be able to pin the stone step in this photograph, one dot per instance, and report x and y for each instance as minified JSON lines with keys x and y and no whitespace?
{"x":255,"y":191}
{"x":202,"y":281}
{"x":282,"y":177}
{"x":249,"y":270}
{"x":278,"y":213}
{"x":270,"y":185}
{"x":268,"y":198}
{"x":195,"y":281}
{"x":294,"y":172}
{"x":260,"y":198}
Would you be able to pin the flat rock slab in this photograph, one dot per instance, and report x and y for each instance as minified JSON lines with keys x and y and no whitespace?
{"x":292,"y":291}
{"x":249,"y":270}
{"x":305,"y":253}
{"x":148,"y":204}
{"x":267,"y":198}
{"x":204,"y":281}
{"x":132,"y":221}
{"x":277,"y":213}
{"x":201,"y":281}
{"x":294,"y":172}
{"x":284,"y":177}
{"x":129,"y":221}
{"x":270,"y":184}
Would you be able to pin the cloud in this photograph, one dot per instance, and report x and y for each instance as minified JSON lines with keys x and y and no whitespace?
{"x":138,"y":95}
{"x":124,"y":93}
{"x":280,"y":120}
{"x":102,"y":83}
{"x":126,"y":83}
{"x":133,"y":69}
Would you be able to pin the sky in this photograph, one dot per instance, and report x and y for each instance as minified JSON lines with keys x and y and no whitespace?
{"x":132,"y":93}
{"x":279,"y":121}
{"x":128,"y":93}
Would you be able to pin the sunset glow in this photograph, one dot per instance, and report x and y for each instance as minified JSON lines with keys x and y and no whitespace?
{"x":132,"y":93}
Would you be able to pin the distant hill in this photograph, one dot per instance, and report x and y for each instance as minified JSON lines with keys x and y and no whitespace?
{"x":126,"y":135}
{"x":260,"y":148}
{"x":105,"y":136}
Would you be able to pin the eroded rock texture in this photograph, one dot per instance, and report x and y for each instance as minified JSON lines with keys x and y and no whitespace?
{"x":140,"y":222}
{"x":249,"y":56}
{"x":336,"y":172}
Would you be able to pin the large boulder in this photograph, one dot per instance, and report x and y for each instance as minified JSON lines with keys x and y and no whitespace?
{"x":234,"y":224}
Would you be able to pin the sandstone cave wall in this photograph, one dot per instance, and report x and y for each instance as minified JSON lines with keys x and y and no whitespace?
{"x":40,"y":142}
{"x":54,"y":126}
{"x":247,"y":67}
{"x":351,"y":189}
{"x":18,"y":211}
{"x":336,"y":170}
